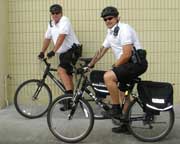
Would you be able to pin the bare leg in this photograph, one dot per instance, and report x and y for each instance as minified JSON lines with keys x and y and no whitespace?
{"x":111,"y":83}
{"x":66,"y":79}
{"x":126,"y":104}
{"x":116,"y":95}
{"x":121,"y":97}
{"x":124,"y":99}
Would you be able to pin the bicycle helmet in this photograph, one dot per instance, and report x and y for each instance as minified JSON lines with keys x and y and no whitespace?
{"x":55,"y":8}
{"x":109,"y":11}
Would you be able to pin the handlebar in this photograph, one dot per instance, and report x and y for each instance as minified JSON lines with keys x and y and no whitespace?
{"x":48,"y":64}
{"x":83,"y":67}
{"x":45,"y":61}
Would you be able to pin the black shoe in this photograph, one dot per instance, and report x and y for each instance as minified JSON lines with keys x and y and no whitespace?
{"x":112,"y":113}
{"x":123,"y":118}
{"x":122,"y":129}
{"x":67,"y":105}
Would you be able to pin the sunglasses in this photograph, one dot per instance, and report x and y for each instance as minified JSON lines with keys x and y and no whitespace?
{"x":109,"y":18}
{"x":55,"y":13}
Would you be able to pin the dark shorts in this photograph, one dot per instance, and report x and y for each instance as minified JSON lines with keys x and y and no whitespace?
{"x":66,"y":62}
{"x":128,"y":71}
{"x":69,"y":58}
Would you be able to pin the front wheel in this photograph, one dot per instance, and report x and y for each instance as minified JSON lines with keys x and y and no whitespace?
{"x":32,"y":98}
{"x":149,"y":127}
{"x":68,"y":129}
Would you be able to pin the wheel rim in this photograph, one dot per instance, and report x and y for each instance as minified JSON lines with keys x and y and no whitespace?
{"x":32,"y":107}
{"x":70,"y":130}
{"x":152,"y":130}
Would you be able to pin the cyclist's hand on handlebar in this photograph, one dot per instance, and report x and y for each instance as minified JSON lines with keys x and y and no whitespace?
{"x":86,"y":69}
{"x":83,"y":70}
{"x":51,"y":54}
{"x":41,"y":55}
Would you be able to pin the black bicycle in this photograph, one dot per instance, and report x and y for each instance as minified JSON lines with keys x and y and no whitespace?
{"x":33,"y":97}
{"x":75,"y":123}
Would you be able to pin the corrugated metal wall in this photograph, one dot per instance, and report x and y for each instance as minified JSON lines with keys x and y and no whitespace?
{"x":156,"y":21}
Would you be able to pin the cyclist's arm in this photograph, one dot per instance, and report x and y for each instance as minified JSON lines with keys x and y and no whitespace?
{"x":64,"y":30}
{"x":127,"y":52}
{"x":99,"y":54}
{"x":46,"y":43}
{"x":59,"y":42}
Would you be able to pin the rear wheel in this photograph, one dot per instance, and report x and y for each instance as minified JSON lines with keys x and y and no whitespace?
{"x":32,"y":98}
{"x":149,"y":127}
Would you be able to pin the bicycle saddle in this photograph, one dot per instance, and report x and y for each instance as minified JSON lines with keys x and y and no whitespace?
{"x":135,"y":80}
{"x":130,"y":84}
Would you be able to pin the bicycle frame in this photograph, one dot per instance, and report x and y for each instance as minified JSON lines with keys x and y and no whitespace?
{"x":84,"y":89}
{"x":47,"y":72}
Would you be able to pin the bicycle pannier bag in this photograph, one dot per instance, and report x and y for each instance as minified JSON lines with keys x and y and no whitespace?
{"x":156,"y":95}
{"x":97,"y":80}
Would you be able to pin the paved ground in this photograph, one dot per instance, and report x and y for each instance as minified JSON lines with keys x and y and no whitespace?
{"x":15,"y":129}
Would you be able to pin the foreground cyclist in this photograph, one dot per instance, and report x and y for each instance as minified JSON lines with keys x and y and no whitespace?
{"x":121,"y":38}
{"x":61,"y":32}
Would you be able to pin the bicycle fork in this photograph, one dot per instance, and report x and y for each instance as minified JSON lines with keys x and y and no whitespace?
{"x":35,"y":95}
{"x":75,"y":101}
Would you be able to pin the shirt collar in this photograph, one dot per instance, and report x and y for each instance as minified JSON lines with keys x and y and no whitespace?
{"x":111,"y":30}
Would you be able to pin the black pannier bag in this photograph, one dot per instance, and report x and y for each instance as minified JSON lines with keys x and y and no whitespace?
{"x":156,"y":95}
{"x":97,"y":80}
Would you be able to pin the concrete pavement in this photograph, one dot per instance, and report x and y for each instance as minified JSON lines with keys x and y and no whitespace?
{"x":15,"y":129}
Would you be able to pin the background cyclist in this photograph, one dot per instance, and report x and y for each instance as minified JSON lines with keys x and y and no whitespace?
{"x":61,"y":32}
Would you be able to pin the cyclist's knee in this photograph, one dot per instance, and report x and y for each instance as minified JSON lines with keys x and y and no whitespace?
{"x":109,"y":76}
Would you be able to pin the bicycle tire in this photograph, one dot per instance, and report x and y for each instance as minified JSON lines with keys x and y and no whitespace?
{"x":152,"y":130}
{"x":70,"y":130}
{"x":26,"y":105}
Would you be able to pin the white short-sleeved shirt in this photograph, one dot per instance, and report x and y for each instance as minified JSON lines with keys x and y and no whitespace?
{"x":126,"y":35}
{"x":62,"y":27}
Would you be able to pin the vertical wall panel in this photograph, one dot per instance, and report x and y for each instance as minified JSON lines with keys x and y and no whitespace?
{"x":156,"y":22}
{"x":3,"y":53}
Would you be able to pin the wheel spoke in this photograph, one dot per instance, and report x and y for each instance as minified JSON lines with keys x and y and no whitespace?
{"x":149,"y":127}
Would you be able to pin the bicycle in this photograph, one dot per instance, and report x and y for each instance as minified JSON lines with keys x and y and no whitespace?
{"x":33,"y":97}
{"x":76,"y":122}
